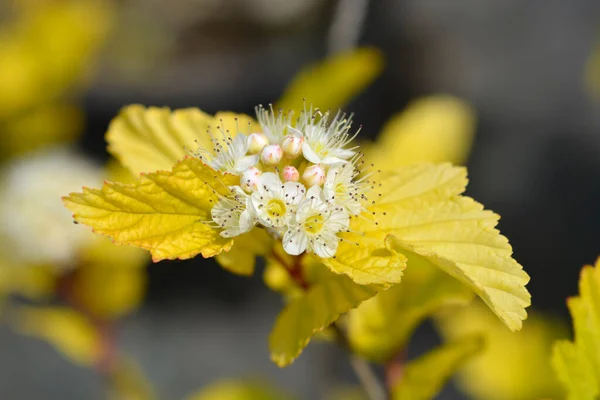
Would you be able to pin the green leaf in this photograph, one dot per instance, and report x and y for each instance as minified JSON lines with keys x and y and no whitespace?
{"x":163,"y":212}
{"x":312,"y":312}
{"x":239,"y":390}
{"x":333,"y":82}
{"x":423,"y":378}
{"x":380,"y":327}
{"x":577,"y":364}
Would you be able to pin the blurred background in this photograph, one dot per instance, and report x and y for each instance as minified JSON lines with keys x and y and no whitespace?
{"x":527,"y":69}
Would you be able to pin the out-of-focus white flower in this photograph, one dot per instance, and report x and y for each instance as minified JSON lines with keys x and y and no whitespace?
{"x":35,"y":227}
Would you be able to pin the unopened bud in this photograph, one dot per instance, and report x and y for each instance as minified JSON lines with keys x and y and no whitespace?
{"x":271,"y":154}
{"x":314,"y":175}
{"x":291,"y":174}
{"x":292,"y":146}
{"x":249,"y":179}
{"x":256,"y":142}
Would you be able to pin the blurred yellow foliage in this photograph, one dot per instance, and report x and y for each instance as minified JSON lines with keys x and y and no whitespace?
{"x":239,"y":390}
{"x":47,"y":50}
{"x":66,"y":329}
{"x":333,"y":82}
{"x":513,"y":366}
{"x":577,"y":363}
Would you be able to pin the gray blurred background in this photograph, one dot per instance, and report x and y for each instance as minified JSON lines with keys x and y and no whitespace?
{"x":521,"y":64}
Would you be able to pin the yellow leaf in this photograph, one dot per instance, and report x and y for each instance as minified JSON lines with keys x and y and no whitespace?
{"x":592,"y":72}
{"x":69,"y":332}
{"x":432,"y":129}
{"x":380,"y":327}
{"x":163,"y":212}
{"x":332,"y":83}
{"x":239,"y":390}
{"x":312,"y":312}
{"x":423,"y":378}
{"x":40,"y":127}
{"x":574,"y":370}
{"x":32,"y":281}
{"x":366,"y":261}
{"x":242,"y":257}
{"x":577,"y":364}
{"x":129,"y":383}
{"x":513,"y":365}
{"x":49,"y":50}
{"x":150,"y":139}
{"x":421,"y":214}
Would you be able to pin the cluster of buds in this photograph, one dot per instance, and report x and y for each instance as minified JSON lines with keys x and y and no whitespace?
{"x":299,"y":181}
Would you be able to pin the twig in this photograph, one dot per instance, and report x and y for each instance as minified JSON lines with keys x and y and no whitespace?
{"x":375,"y":390}
{"x":346,"y":26}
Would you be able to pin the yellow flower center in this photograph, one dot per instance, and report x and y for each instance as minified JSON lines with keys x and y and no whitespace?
{"x":275,"y":208}
{"x":314,"y":224}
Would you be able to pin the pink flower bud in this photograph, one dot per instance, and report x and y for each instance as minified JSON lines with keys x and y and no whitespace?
{"x":291,"y":174}
{"x":271,"y":154}
{"x":249,"y":179}
{"x":292,"y":146}
{"x":314,"y":175}
{"x":256,"y":142}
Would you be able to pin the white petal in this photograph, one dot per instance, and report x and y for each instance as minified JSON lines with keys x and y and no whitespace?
{"x":294,"y":242}
{"x":314,"y":192}
{"x":247,"y":221}
{"x":246,"y":162}
{"x":309,"y":153}
{"x":295,"y":132}
{"x":326,"y":246}
{"x":293,"y":192}
{"x":240,"y":144}
{"x":342,"y":153}
{"x":332,"y":160}
{"x":338,"y":221}
{"x":269,"y":180}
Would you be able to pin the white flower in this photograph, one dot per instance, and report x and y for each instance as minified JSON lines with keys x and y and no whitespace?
{"x":229,"y":154}
{"x":36,"y":228}
{"x":344,"y":189}
{"x":325,"y":143}
{"x":274,"y":125}
{"x":315,"y":226}
{"x":275,"y":202}
{"x":234,"y":213}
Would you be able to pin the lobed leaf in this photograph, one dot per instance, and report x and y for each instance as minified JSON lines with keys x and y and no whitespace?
{"x":421,"y":215}
{"x":577,"y":364}
{"x":150,"y":139}
{"x":164,"y":212}
{"x":312,"y":312}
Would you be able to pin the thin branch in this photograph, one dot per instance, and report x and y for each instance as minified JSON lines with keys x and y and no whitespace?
{"x":346,"y":26}
{"x":365,"y":374}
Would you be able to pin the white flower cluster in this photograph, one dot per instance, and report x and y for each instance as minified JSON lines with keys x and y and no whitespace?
{"x":299,"y":181}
